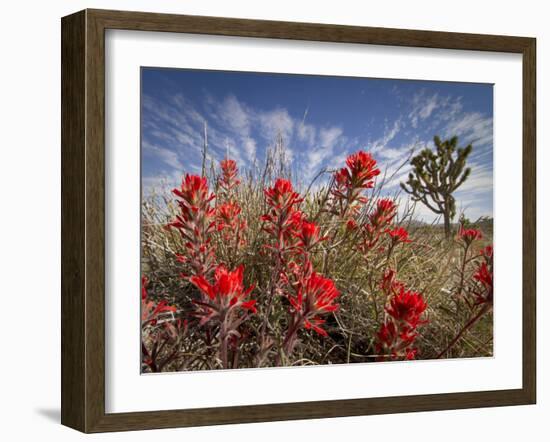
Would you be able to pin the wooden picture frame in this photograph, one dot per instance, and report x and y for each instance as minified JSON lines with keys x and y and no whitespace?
{"x":83,"y":219}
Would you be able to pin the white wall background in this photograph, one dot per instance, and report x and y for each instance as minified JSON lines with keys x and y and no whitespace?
{"x":30,"y":216}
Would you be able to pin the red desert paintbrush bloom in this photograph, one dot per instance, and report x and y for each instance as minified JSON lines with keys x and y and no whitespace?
{"x":469,"y":235}
{"x":484,"y":276}
{"x":309,"y":235}
{"x":222,"y":303}
{"x":195,"y":223}
{"x":399,"y":330}
{"x":230,"y":223}
{"x":379,"y":220}
{"x":399,"y":234}
{"x":360,"y":171}
{"x":228,"y":179}
{"x":315,"y":296}
{"x":385,"y":211}
{"x":226,"y":294}
{"x":407,"y":306}
{"x":284,"y":217}
{"x":227,"y":214}
{"x":282,"y":195}
{"x":350,"y":181}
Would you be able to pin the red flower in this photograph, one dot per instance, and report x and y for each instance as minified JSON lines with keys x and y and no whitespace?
{"x":399,"y":331}
{"x":487,"y":252}
{"x":360,"y":171}
{"x":389,"y":285}
{"x":308,"y":233}
{"x":349,"y":183}
{"x":193,"y":192}
{"x":228,"y":179}
{"x":315,"y":296}
{"x":399,"y":234}
{"x":282,"y":194}
{"x":225,"y":295}
{"x":362,"y":168}
{"x":227,"y":212}
{"x":484,"y":275}
{"x":410,"y":354}
{"x":387,"y":334}
{"x":407,"y":306}
{"x":380,"y":219}
{"x":469,"y":235}
{"x":228,"y":217}
{"x":385,"y":211}
{"x":315,"y":325}
{"x":195,"y":223}
{"x":284,"y":219}
{"x":351,"y":224}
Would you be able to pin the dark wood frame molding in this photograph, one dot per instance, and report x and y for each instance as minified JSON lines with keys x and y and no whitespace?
{"x":83,"y":216}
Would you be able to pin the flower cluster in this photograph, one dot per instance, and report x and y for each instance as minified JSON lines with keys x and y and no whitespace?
{"x":225,"y":304}
{"x":228,"y":180}
{"x":379,"y":222}
{"x":195,"y":223}
{"x":225,"y":296}
{"x":479,"y":290}
{"x":398,"y":235}
{"x":469,"y":235}
{"x":397,"y":334}
{"x":309,"y":294}
{"x":229,"y":221}
{"x":349,"y":183}
{"x":315,"y":296}
{"x":230,"y":224}
{"x":309,"y":235}
{"x":483,"y":292}
{"x":291,"y":291}
{"x":312,"y":297}
{"x":284,"y":218}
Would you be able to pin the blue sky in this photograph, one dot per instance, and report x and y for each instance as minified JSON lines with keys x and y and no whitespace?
{"x":321,"y":119}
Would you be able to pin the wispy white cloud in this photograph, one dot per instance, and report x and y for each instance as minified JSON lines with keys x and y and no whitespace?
{"x":306,"y":133}
{"x":161,"y":183}
{"x":328,"y":138}
{"x":276,"y":122}
{"x":167,"y":156}
{"x":472,"y":127}
{"x":390,"y":132}
{"x":235,"y":115}
{"x":422,"y":107}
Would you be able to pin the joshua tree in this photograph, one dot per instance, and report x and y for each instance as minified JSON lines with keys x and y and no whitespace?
{"x":436,"y":175}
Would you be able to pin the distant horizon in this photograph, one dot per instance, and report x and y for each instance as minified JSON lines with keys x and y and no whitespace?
{"x":321,"y":120}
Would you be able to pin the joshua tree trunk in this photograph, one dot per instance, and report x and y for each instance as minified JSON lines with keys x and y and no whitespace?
{"x":447,"y":216}
{"x":447,"y":222}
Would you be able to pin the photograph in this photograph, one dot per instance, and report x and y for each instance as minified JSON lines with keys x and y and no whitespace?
{"x":292,"y":220}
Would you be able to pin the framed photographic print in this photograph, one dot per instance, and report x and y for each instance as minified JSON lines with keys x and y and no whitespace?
{"x":268,"y":221}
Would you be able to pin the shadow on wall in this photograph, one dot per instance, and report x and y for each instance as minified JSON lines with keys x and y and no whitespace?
{"x":51,"y":414}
